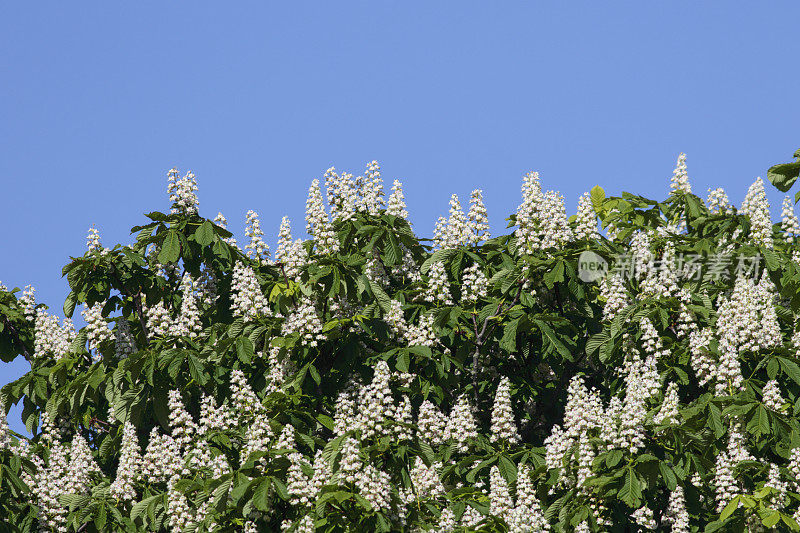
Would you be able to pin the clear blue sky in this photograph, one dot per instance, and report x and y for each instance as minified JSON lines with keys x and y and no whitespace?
{"x":99,"y":99}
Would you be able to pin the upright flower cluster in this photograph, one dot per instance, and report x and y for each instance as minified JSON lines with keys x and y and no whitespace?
{"x":182,"y":192}
{"x":438,"y":285}
{"x":771,"y":396}
{"x":256,"y":249}
{"x":677,"y":515}
{"x":746,"y":321}
{"x":756,"y":206}
{"x":431,"y":423}
{"x":159,"y":321}
{"x":317,"y":223}
{"x":789,"y":223}
{"x":96,"y":326}
{"x":370,"y":189}
{"x":305,"y":321}
{"x":586,"y":219}
{"x":27,"y":302}
{"x":188,"y":323}
{"x":69,"y":469}
{"x":342,"y":195}
{"x":50,"y":338}
{"x":541,"y":217}
{"x":93,"y":243}
{"x":718,"y":202}
{"x":668,"y":414}
{"x":504,"y":427}
{"x":5,"y":435}
{"x":461,"y":426}
{"x":422,"y":334}
{"x":397,"y":201}
{"x":122,"y":488}
{"x":474,"y":284}
{"x":247,"y":299}
{"x":477,"y":218}
{"x":453,"y":232}
{"x":680,"y":180}
{"x":290,"y":255}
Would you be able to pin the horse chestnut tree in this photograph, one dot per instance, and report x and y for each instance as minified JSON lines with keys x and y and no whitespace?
{"x":639,"y":374}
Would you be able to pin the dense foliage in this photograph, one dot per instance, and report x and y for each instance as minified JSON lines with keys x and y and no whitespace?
{"x":369,"y":380}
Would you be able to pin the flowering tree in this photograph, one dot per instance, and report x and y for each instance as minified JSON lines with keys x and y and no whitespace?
{"x":552,"y":379}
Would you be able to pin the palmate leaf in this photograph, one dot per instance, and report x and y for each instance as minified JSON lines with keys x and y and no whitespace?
{"x":631,"y":490}
{"x":784,"y":175}
{"x":170,"y":248}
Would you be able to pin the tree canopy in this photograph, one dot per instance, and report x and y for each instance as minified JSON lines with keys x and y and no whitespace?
{"x":637,"y":375}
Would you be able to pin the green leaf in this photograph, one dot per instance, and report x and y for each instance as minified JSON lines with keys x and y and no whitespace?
{"x":729,"y":509}
{"x":553,"y":339}
{"x":509,"y":340}
{"x":598,"y":196}
{"x":204,"y":235}
{"x":715,"y":420}
{"x":784,"y":175}
{"x":69,"y":304}
{"x":791,"y":522}
{"x":244,"y":349}
{"x":790,"y":368}
{"x":631,"y":491}
{"x":261,"y":499}
{"x":403,"y":361}
{"x":170,"y":248}
{"x":668,"y":475}
{"x":771,"y":519}
{"x":507,"y":469}
{"x":326,"y":421}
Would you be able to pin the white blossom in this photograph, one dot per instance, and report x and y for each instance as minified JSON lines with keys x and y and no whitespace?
{"x":474,"y":284}
{"x":159,"y":321}
{"x":247,"y":300}
{"x":756,"y":206}
{"x":341,"y":193}
{"x":438,"y":285}
{"x":668,"y":414}
{"x":461,"y":426}
{"x":431,"y":423}
{"x":500,"y":502}
{"x":370,"y":189}
{"x":422,"y":334}
{"x":93,"y":243}
{"x":182,"y":192}
{"x":789,"y":222}
{"x":50,"y":338}
{"x":677,"y":515}
{"x":187,"y":324}
{"x":256,"y":249}
{"x":128,"y":470}
{"x":586,"y":219}
{"x":504,"y":427}
{"x":28,"y":302}
{"x":541,"y":217}
{"x":680,"y":180}
{"x":717,"y":201}
{"x":477,"y":219}
{"x":771,"y":397}
{"x":305,"y":321}
{"x":643,"y":516}
{"x":397,"y":204}
{"x":96,"y":326}
{"x":317,"y":223}
{"x":425,"y":480}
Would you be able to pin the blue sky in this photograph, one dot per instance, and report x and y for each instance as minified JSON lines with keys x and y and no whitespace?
{"x":98,"y":100}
